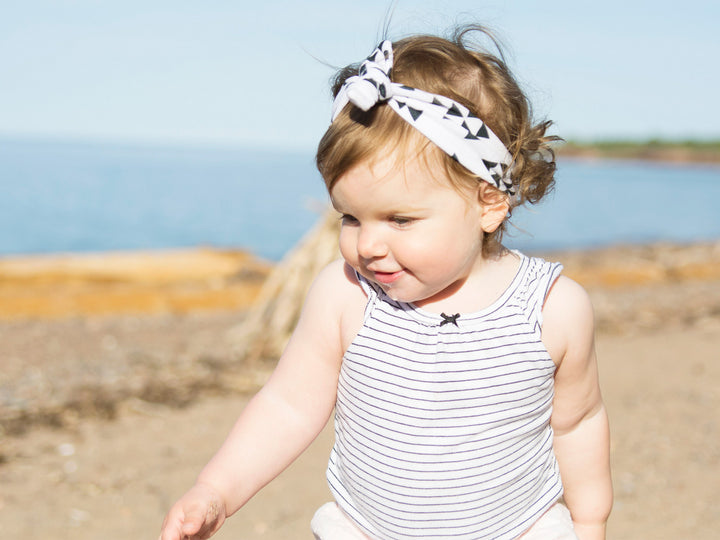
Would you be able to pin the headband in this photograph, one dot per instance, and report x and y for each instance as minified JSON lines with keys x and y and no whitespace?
{"x":447,"y":123}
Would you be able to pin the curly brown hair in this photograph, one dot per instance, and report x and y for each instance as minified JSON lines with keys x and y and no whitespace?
{"x":468,"y":74}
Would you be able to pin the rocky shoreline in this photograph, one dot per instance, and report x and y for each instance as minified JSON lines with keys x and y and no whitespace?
{"x":696,"y":153}
{"x":60,"y":369}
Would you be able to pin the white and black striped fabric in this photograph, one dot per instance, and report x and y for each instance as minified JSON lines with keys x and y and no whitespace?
{"x":447,"y":123}
{"x":442,"y":427}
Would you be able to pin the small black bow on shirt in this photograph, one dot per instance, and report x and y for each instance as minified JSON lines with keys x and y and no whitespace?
{"x":449,"y":319}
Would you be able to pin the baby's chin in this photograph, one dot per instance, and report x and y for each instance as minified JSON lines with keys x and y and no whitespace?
{"x":396,"y":294}
{"x":392,"y":292}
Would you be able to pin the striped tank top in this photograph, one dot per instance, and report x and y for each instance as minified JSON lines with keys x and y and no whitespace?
{"x":442,"y":429}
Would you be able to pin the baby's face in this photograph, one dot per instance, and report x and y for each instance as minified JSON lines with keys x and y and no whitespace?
{"x":407,"y":229}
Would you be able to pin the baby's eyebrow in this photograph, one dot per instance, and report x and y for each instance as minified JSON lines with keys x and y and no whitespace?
{"x":408,"y":210}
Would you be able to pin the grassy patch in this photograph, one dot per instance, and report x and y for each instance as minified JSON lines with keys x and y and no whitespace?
{"x":652,"y":149}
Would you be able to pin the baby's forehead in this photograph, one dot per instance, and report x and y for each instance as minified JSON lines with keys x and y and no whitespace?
{"x":435,"y":165}
{"x":410,"y":175}
{"x":404,"y":164}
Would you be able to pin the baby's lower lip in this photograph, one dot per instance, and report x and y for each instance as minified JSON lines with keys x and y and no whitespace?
{"x":387,"y":277}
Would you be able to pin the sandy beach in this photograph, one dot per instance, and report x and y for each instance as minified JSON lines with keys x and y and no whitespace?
{"x":116,"y":389}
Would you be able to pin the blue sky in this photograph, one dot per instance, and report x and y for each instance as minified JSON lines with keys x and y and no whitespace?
{"x":247,"y":73}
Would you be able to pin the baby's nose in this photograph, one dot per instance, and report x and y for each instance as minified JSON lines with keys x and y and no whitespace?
{"x":370,"y":244}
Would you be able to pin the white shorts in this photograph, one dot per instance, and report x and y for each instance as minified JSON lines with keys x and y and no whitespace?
{"x":331,"y":523}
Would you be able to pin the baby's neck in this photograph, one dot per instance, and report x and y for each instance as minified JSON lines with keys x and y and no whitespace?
{"x":485,"y":285}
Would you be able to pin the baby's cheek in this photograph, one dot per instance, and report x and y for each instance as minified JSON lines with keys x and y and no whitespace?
{"x":351,"y":261}
{"x":348,"y":247}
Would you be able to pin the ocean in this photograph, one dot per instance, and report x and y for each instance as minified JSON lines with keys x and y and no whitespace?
{"x":88,"y":197}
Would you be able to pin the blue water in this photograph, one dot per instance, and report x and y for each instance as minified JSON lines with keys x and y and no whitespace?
{"x":71,"y":197}
{"x":74,"y":198}
{"x":612,"y":202}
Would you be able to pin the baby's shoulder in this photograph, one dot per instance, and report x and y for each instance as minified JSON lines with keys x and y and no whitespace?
{"x":567,"y":298}
{"x":339,"y":296}
{"x":337,"y":278}
{"x":337,"y":288}
{"x":568,"y":319}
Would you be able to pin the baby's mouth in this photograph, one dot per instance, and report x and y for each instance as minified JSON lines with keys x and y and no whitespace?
{"x":387,"y":278}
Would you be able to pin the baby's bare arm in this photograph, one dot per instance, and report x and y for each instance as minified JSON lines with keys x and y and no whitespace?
{"x":579,"y":420}
{"x":278,"y":423}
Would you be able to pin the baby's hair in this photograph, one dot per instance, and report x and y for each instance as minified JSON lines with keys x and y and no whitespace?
{"x":473,"y":77}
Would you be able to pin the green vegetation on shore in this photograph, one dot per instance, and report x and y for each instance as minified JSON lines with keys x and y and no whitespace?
{"x":691,"y":150}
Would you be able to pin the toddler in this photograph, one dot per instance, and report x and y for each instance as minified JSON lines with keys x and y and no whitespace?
{"x":462,"y":374}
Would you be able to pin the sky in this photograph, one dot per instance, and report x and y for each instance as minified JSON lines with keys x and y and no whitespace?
{"x":255,"y":74}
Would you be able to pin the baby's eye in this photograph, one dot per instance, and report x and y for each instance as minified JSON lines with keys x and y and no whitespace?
{"x":401,"y":220}
{"x":347,"y":219}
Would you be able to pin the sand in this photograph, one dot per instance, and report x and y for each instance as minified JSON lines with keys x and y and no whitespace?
{"x":107,"y":418}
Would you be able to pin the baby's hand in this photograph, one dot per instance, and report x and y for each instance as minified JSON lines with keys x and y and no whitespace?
{"x":196,"y":516}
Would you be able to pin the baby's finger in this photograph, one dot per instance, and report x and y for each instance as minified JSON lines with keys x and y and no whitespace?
{"x":171,"y":528}
{"x":193,"y":522}
{"x":208,"y":519}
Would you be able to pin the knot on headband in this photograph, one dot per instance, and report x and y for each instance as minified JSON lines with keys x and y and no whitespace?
{"x":445,"y":122}
{"x":372,"y":83}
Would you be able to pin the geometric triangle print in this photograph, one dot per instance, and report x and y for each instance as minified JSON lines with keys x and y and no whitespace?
{"x":454,"y":111}
{"x":414,"y":112}
{"x":469,"y":134}
{"x":489,"y":164}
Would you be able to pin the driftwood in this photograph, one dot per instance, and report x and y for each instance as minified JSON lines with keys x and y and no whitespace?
{"x":624,"y":283}
{"x":272,"y":319}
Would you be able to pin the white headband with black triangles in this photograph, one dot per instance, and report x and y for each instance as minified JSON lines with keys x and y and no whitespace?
{"x":447,"y":123}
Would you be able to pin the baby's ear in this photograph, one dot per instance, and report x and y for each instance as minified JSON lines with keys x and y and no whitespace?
{"x":495,"y":207}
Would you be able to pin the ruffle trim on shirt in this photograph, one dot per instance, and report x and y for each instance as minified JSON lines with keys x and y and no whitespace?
{"x":528,"y":290}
